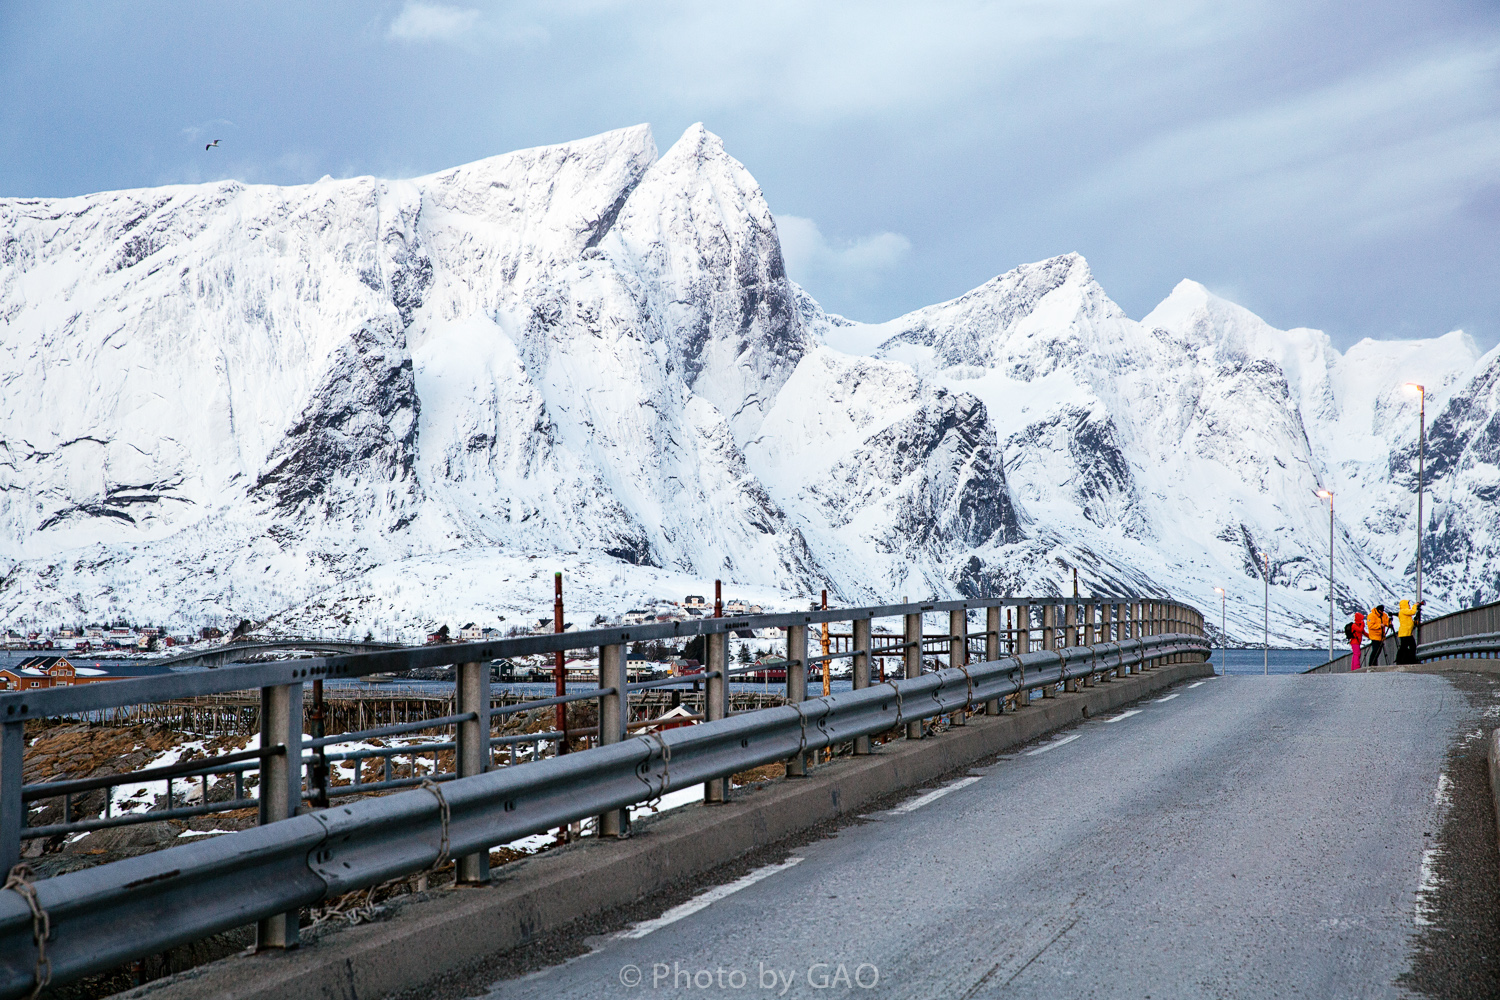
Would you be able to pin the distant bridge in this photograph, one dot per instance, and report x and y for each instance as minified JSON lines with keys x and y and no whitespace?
{"x":239,"y":652}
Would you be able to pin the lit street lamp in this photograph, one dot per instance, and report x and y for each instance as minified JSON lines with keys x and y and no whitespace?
{"x":1421,"y":470}
{"x":1223,"y":629}
{"x":1328,"y":495}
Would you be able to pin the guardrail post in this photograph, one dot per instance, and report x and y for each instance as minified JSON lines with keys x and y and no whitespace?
{"x":473,"y":753}
{"x":1049,"y":639}
{"x":12,"y":809}
{"x":612,"y":710}
{"x":280,"y":789}
{"x":861,"y":672}
{"x":992,"y":652}
{"x":1023,"y":645}
{"x":958,"y":655}
{"x":1070,"y":638}
{"x":1086,"y":635}
{"x":1142,"y":609}
{"x":796,"y":686}
{"x":913,"y":657}
{"x":1114,"y":631}
{"x":716,"y":703}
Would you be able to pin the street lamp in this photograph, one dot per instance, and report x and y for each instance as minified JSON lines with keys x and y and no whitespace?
{"x":1266,"y":639}
{"x":1421,"y":469}
{"x":1223,"y":629}
{"x":1328,"y":495}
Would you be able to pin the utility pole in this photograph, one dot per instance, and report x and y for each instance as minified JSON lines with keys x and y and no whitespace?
{"x":1266,"y":640}
{"x":1421,"y":474}
{"x":1328,"y":495}
{"x":560,"y":670}
{"x":1223,"y":629}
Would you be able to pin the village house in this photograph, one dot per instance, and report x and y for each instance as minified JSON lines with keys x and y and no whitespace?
{"x":469,"y":633}
{"x":44,"y":672}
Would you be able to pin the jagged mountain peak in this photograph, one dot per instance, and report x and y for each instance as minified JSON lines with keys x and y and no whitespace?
{"x":592,"y":347}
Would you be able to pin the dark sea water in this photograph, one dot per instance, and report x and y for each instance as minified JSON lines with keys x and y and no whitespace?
{"x":1282,"y":661}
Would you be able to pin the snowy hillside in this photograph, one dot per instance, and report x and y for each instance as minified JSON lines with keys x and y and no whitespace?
{"x":379,"y":404}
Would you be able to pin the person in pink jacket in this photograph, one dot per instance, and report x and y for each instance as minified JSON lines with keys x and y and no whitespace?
{"x":1356,"y":639}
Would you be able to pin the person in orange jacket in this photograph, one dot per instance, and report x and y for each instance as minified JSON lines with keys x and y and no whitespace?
{"x":1377,"y":623}
{"x":1356,"y":639}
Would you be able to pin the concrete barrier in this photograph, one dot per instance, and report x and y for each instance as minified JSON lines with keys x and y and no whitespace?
{"x":452,"y":929}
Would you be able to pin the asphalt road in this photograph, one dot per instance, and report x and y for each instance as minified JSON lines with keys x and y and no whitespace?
{"x":1243,"y":837}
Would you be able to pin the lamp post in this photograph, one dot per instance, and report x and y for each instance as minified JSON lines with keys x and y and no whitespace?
{"x":1223,"y":629}
{"x":1266,"y":639}
{"x":1328,"y":495}
{"x":1421,"y":470}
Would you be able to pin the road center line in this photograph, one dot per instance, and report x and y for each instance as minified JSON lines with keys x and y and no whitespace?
{"x":1168,"y":697}
{"x":1053,"y":745}
{"x":1124,"y":715}
{"x":1196,"y":684}
{"x":932,"y":796}
{"x":708,"y":898}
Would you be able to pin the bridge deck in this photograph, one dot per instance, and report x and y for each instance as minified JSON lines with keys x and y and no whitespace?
{"x":1246,"y":837}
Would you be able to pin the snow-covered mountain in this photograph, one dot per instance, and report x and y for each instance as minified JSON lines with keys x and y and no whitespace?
{"x":373,"y":404}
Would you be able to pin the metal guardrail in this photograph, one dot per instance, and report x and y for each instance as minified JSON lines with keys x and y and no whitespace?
{"x":105,"y":916}
{"x":1101,"y":614}
{"x":1485,"y":645}
{"x":1150,"y":631}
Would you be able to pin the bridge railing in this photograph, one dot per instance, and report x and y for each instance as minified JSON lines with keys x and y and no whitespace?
{"x":99,"y":916}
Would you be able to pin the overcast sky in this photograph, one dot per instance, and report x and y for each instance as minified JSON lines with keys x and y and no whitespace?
{"x":1332,"y":165}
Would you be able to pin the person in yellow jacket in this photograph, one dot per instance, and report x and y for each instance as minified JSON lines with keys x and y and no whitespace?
{"x":1408,"y":619}
{"x":1377,"y":622}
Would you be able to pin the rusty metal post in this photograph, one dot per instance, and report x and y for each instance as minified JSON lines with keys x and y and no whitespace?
{"x":1137,"y":630}
{"x":716,"y":702}
{"x":913,"y":654}
{"x":1070,"y":634}
{"x":861,"y":641}
{"x":1049,"y":638}
{"x":1086,"y":634}
{"x":280,"y":789}
{"x":958,"y":656}
{"x":1023,"y":645}
{"x":473,"y":752}
{"x":992,"y":652}
{"x":317,"y":783}
{"x":796,"y":686}
{"x":560,"y":665}
{"x":613,"y":709}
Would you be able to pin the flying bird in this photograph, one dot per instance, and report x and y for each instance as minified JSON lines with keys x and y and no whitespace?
{"x":212,"y":144}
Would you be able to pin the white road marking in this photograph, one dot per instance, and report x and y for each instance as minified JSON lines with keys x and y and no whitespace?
{"x":1054,"y":745}
{"x":697,"y":903}
{"x":1197,"y":684}
{"x":1124,"y":715}
{"x":1428,"y":883}
{"x":932,"y":796}
{"x":1168,"y":697}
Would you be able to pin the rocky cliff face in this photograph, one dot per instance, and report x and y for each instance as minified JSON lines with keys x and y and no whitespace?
{"x":246,"y":397}
{"x":370,"y":402}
